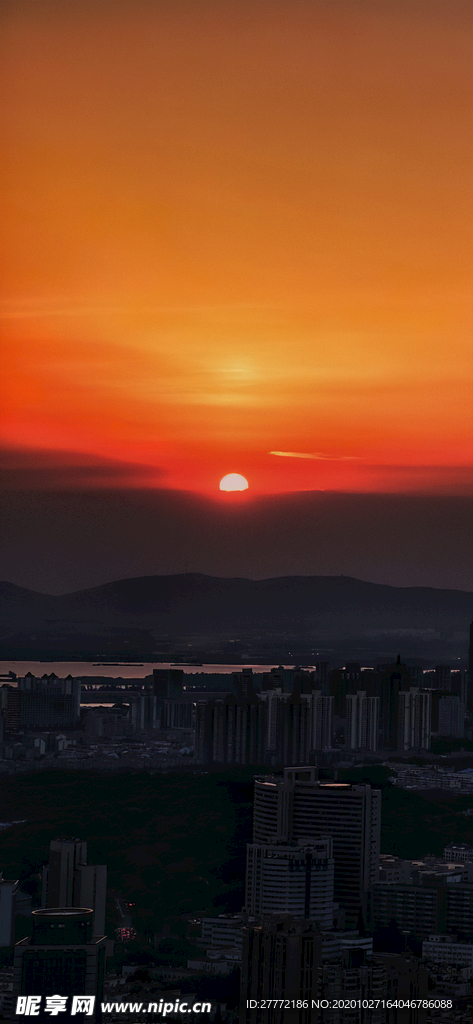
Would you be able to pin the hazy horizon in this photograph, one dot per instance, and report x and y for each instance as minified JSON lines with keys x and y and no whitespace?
{"x":60,"y":541}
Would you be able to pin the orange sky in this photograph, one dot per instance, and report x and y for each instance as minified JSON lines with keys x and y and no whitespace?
{"x":238,"y":227}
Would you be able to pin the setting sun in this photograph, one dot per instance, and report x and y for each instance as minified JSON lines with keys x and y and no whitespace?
{"x":233,"y":482}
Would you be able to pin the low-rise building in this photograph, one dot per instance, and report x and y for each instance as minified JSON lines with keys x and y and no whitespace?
{"x":434,"y":905}
{"x":459,"y":852}
{"x":224,"y":931}
{"x":220,"y":962}
{"x":445,"y":949}
{"x":336,"y":942}
{"x":356,"y":979}
{"x":6,"y":992}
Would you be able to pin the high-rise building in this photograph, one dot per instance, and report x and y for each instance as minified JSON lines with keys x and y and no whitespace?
{"x":243,"y":684}
{"x":62,"y":957}
{"x":49,"y":701}
{"x":298,"y":806}
{"x":294,"y":741}
{"x":443,"y":675}
{"x":10,"y":704}
{"x":203,"y":732}
{"x":341,"y":683}
{"x":450,"y":715}
{"x":293,"y":680}
{"x":288,"y":727}
{"x":168,"y":682}
{"x":385,"y":683}
{"x":322,"y":721}
{"x":362,"y":721}
{"x":230,"y":730}
{"x":391,"y":681}
{"x":8,"y":896}
{"x":273,"y":727}
{"x":459,"y":686}
{"x":272,"y":699}
{"x":414,"y":719}
{"x":146,"y":713}
{"x":291,"y":878}
{"x":280,"y":962}
{"x":179,"y":713}
{"x":68,"y":881}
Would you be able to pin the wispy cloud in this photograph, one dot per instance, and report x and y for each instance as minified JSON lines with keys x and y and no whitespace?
{"x":315,"y":455}
{"x":50,"y":469}
{"x":18,"y":311}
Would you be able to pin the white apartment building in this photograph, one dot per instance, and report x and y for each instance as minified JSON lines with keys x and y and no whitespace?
{"x":415,"y":719}
{"x":362,"y":721}
{"x":291,"y":878}
{"x":297,"y":806}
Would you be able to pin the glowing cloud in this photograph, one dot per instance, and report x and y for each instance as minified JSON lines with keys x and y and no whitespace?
{"x":315,"y":455}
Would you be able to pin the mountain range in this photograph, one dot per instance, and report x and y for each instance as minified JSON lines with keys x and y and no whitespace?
{"x":189,"y":606}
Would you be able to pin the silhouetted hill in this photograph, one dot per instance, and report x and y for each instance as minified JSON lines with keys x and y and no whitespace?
{"x":195,"y":604}
{"x":17,"y":604}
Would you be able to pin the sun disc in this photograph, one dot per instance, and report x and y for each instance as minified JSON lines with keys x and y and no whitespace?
{"x":233,"y":482}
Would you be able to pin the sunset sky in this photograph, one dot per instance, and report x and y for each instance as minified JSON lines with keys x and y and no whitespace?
{"x":237,"y":238}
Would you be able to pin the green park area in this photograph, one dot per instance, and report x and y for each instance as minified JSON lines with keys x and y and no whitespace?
{"x":174,"y":844}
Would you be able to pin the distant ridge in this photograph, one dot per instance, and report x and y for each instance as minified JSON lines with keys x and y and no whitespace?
{"x":195,"y":603}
